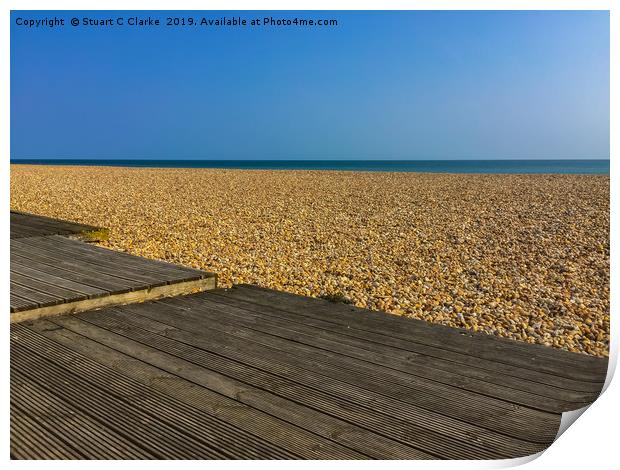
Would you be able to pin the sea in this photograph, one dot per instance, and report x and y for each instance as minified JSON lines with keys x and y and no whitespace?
{"x":586,"y":167}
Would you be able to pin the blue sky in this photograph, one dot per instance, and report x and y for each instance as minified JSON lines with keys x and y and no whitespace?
{"x":380,"y":85}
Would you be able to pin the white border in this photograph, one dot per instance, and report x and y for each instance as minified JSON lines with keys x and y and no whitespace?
{"x":590,"y":443}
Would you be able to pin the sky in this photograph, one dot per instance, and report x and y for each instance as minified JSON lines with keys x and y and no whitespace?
{"x":379,"y":85}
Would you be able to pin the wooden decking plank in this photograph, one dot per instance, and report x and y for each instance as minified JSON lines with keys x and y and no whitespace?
{"x":40,"y":220}
{"x":40,"y":229}
{"x":428,"y":395}
{"x":152,"y":265}
{"x":395,"y":325}
{"x":37,"y":298}
{"x":135,"y":296}
{"x":55,"y":290}
{"x":30,"y":441}
{"x":303,"y":395}
{"x":396,"y":384}
{"x":65,"y":422}
{"x":515,"y":377}
{"x":162,"y":443}
{"x":45,"y":270}
{"x":116,"y":276}
{"x":19,"y":231}
{"x":88,"y":291}
{"x":404,"y":419}
{"x":280,"y":433}
{"x":406,"y":433}
{"x":43,"y":227}
{"x":37,"y":225}
{"x":417,"y":372}
{"x":195,"y":424}
{"x":359,"y":439}
{"x":533,"y":356}
{"x":68,"y":259}
{"x":425,"y":365}
{"x":17,"y":303}
{"x":155,"y":433}
{"x":76,"y":274}
{"x":60,"y":247}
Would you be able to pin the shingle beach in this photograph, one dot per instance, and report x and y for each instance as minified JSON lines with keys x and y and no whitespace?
{"x":519,"y":256}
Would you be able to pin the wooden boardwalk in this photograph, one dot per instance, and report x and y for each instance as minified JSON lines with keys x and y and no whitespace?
{"x":250,"y":373}
{"x":30,"y":225}
{"x":253,"y":373}
{"x":53,"y":275}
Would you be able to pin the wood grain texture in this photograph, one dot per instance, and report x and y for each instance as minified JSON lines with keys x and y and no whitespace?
{"x":53,"y":275}
{"x":25,"y":225}
{"x":208,"y":368}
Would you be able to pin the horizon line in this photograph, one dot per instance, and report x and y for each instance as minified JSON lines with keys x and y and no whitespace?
{"x":306,"y":159}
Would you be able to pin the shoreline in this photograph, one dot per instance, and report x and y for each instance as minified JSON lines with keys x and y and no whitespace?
{"x":467,"y":167}
{"x":519,"y":256}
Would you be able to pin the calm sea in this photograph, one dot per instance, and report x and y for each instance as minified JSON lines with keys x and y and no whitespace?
{"x":591,"y":167}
